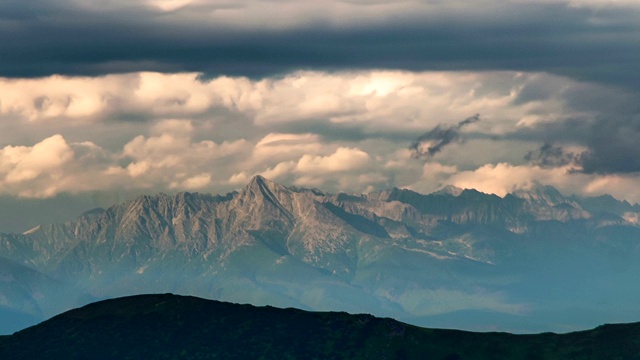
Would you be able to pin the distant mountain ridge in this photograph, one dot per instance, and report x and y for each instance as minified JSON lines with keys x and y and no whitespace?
{"x":177,"y":327}
{"x":392,"y":253}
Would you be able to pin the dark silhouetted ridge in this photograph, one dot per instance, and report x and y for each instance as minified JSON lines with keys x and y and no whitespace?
{"x":183,"y":327}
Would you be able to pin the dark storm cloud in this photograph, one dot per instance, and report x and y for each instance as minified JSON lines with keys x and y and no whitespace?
{"x":613,"y":147}
{"x":612,"y":144}
{"x":469,"y":120}
{"x":549,"y":156}
{"x":433,"y":141}
{"x":45,"y":37}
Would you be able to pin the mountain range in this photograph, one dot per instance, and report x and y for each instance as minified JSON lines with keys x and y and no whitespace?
{"x":166,"y":326}
{"x":530,"y":261}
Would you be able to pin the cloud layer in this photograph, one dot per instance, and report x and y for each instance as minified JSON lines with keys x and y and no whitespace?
{"x":340,"y":131}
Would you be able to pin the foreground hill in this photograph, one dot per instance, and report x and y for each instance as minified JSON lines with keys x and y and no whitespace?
{"x":178,"y":327}
{"x":531,"y":261}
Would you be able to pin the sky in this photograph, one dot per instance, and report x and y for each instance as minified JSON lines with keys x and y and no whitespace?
{"x":104,"y":100}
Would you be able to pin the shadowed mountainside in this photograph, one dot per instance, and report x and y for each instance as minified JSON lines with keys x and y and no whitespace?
{"x":178,"y":327}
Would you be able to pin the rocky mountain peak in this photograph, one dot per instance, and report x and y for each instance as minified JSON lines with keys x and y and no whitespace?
{"x":449,"y":190}
{"x":261,"y":184}
{"x":259,"y":180}
{"x":263,"y":191}
{"x":547,"y":203}
{"x":542,"y":194}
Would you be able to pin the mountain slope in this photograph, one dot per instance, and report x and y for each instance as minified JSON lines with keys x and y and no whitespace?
{"x":176,"y":327}
{"x":26,"y":296}
{"x":530,"y":255}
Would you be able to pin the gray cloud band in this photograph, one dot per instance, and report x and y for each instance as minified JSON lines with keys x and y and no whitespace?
{"x":43,"y":38}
